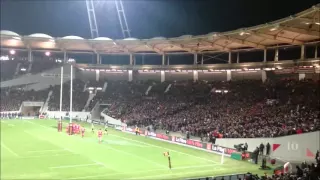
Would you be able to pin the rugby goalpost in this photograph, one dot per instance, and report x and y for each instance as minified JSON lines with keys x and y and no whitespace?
{"x":60,"y":104}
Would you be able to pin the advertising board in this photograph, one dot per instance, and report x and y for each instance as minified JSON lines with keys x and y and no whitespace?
{"x":194,"y":143}
{"x":298,"y":147}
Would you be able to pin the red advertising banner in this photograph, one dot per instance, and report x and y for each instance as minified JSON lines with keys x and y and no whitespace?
{"x":162,"y":136}
{"x":209,"y":146}
{"x":194,"y":143}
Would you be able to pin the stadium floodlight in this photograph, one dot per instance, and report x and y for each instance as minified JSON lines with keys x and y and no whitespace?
{"x":279,"y":67}
{"x":12,"y":52}
{"x":16,"y":38}
{"x":47,"y":53}
{"x":244,"y":33}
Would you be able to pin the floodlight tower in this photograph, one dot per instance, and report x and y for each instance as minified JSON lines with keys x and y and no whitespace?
{"x":92,"y":19}
{"x":122,"y":19}
{"x":121,"y":16}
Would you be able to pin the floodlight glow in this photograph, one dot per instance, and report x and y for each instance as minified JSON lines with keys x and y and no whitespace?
{"x":243,"y":33}
{"x":47,"y":53}
{"x":273,"y":29}
{"x":16,"y":38}
{"x":317,"y":23}
{"x":12,"y":52}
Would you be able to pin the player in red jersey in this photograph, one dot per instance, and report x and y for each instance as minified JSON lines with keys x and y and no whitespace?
{"x":78,"y":129}
{"x":100,"y":133}
{"x":73,"y":128}
{"x":82,"y":131}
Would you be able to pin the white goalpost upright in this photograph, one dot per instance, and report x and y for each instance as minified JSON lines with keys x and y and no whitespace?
{"x":61,"y":94}
{"x":71,"y":84}
{"x":222,"y":157}
{"x":61,"y":89}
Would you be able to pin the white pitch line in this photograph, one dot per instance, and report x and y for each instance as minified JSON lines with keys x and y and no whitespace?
{"x":7,"y":148}
{"x":136,"y":155}
{"x":97,"y":162}
{"x":166,"y":148}
{"x":48,"y":150}
{"x":67,"y":149}
{"x":73,"y":166}
{"x":131,"y":154}
{"x":42,"y":156}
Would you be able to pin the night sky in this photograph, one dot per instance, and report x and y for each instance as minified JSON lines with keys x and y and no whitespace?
{"x":146,"y":19}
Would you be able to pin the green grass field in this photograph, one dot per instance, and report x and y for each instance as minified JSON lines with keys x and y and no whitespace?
{"x":33,"y":149}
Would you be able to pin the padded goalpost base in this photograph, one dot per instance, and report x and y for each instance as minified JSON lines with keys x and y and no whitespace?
{"x":70,"y":129}
{"x":59,"y":125}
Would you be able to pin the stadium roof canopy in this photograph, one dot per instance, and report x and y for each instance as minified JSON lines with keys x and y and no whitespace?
{"x":298,"y":29}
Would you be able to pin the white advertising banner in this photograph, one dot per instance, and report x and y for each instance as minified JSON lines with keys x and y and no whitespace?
{"x":32,"y":103}
{"x":297,"y":147}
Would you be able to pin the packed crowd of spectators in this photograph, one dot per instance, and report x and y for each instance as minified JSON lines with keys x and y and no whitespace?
{"x":11,"y":99}
{"x":225,"y":109}
{"x":79,"y":96}
{"x":304,"y":171}
{"x":246,"y":108}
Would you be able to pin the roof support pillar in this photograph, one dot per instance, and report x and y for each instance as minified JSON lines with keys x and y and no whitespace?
{"x":238,"y":58}
{"x":276,"y":55}
{"x":65,"y":56}
{"x":168,"y":61}
{"x":30,"y":56}
{"x":195,"y":58}
{"x":131,"y":59}
{"x":316,"y":52}
{"x":302,"y":52}
{"x":263,"y":76}
{"x":195,"y":76}
{"x":129,"y":75}
{"x":229,"y":61}
{"x":265,"y":55}
{"x":162,"y":76}
{"x":142,"y":61}
{"x":163,"y":59}
{"x":97,"y":75}
{"x":202,"y":59}
{"x":98,"y":59}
